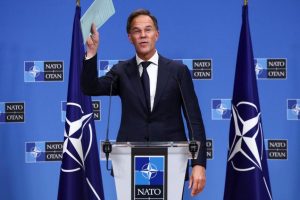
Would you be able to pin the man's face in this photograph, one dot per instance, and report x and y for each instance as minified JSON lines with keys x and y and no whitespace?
{"x":143,"y":35}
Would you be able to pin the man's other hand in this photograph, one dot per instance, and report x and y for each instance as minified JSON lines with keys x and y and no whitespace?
{"x":197,"y":180}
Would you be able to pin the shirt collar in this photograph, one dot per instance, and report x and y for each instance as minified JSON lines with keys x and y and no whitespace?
{"x":153,"y":59}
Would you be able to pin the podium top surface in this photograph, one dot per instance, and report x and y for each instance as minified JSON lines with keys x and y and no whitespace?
{"x":178,"y":147}
{"x":152,"y":144}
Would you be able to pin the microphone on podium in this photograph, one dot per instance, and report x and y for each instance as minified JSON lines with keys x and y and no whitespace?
{"x":107,"y":147}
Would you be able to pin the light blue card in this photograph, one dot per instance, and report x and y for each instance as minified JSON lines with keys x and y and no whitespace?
{"x":98,"y":13}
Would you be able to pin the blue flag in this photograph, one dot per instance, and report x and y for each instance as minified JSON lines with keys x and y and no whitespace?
{"x":80,"y":175}
{"x":247,"y":171}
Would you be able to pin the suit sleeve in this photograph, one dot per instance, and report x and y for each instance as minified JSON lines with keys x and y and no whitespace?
{"x":93,"y":85}
{"x":194,"y":113}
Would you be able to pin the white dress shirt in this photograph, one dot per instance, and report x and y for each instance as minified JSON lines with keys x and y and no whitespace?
{"x":152,"y":70}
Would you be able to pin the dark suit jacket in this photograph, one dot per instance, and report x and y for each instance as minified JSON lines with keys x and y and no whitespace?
{"x":165,"y":122}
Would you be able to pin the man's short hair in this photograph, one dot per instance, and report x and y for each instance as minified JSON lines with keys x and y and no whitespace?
{"x":139,"y":12}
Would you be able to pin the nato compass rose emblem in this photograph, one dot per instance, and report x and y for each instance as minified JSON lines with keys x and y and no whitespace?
{"x":34,"y":71}
{"x":72,"y":148}
{"x":296,"y":109}
{"x":35,"y":152}
{"x":246,"y":150}
{"x":149,"y":171}
{"x":221,"y":108}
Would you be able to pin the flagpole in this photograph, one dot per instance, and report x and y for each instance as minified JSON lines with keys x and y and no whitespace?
{"x":78,"y":3}
{"x":245,"y":2}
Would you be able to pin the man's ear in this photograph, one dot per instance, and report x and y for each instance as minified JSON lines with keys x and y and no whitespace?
{"x":157,"y":35}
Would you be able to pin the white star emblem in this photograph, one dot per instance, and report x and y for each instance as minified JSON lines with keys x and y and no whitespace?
{"x":35,"y":152}
{"x":241,"y":137}
{"x":34,"y":71}
{"x":296,"y":109}
{"x":221,"y":109}
{"x":73,"y":138}
{"x":149,"y":171}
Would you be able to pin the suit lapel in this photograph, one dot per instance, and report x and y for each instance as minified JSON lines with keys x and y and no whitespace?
{"x":162,"y":79}
{"x":134,"y":78}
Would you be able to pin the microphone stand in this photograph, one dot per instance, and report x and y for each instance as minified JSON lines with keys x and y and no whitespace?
{"x":193,"y":146}
{"x":107,"y":147}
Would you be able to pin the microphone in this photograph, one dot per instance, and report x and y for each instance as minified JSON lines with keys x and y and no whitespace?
{"x":193,"y":146}
{"x":107,"y":147}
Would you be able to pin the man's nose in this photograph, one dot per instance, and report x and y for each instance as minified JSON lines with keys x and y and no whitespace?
{"x":143,"y":33}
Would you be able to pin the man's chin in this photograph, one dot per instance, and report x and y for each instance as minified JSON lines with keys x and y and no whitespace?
{"x":143,"y":52}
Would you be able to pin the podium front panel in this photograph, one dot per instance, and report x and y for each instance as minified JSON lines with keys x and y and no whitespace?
{"x":169,"y":162}
{"x":149,"y":178}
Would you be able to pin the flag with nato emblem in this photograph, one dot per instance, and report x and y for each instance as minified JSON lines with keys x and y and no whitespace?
{"x":80,"y":175}
{"x":247,"y":170}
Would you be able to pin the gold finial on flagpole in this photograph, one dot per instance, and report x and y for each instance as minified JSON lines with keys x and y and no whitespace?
{"x":245,"y":2}
{"x":78,"y":2}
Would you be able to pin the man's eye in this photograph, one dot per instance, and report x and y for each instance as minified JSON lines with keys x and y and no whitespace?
{"x":136,"y":31}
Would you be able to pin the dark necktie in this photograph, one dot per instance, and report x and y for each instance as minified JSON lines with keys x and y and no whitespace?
{"x":146,"y":83}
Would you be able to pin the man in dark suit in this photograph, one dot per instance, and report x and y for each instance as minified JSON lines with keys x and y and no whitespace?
{"x":149,"y":88}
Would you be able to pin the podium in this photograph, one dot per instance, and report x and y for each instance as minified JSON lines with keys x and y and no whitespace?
{"x":151,"y":170}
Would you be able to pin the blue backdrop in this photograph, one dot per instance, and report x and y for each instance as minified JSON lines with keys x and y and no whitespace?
{"x":35,"y":51}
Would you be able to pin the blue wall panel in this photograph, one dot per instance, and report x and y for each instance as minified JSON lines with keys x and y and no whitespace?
{"x":41,"y":31}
